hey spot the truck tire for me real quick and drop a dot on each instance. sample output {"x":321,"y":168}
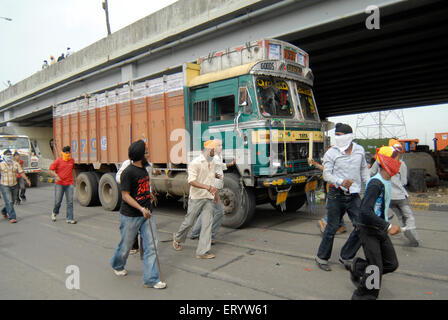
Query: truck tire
{"x":292,"y":204}
{"x":87,"y":189}
{"x":238,"y":208}
{"x":33,"y":179}
{"x":109,"y":192}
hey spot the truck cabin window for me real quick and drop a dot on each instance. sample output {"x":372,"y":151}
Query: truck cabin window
{"x":14,"y":143}
{"x":274,"y":97}
{"x":200,"y":111}
{"x":307,"y":103}
{"x":224,"y":108}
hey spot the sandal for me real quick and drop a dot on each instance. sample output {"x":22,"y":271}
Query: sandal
{"x":176,"y":244}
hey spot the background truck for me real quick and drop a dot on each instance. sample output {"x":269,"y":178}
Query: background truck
{"x":27,"y":151}
{"x":257,"y":98}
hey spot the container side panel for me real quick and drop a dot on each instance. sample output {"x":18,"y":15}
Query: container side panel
{"x":176,"y":127}
{"x":157,"y":139}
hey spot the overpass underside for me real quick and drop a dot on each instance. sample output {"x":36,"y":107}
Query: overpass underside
{"x":403,"y":64}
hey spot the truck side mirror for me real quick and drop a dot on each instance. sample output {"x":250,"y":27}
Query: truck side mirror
{"x":244,"y":100}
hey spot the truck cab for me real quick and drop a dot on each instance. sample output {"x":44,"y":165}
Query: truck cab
{"x":26,"y":150}
{"x":258,"y":100}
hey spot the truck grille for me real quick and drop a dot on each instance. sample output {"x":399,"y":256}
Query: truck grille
{"x":26,"y":160}
{"x":297,"y":151}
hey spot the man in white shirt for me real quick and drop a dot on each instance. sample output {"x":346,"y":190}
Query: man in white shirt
{"x":218,"y":210}
{"x":201,"y":178}
{"x":345,"y":169}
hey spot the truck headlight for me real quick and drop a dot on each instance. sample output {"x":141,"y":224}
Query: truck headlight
{"x":276,"y":164}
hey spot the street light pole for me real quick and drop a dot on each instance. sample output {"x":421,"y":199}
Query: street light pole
{"x":8,"y":19}
{"x":106,"y":9}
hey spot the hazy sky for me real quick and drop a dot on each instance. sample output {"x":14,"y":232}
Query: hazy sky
{"x":40,"y":28}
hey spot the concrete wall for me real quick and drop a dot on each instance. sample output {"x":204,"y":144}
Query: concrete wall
{"x":41,"y":135}
{"x":175,"y":20}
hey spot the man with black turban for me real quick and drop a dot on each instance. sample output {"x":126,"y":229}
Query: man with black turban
{"x":135,"y":216}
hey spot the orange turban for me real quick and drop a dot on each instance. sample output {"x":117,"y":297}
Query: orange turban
{"x":210,"y":144}
{"x":391,"y":165}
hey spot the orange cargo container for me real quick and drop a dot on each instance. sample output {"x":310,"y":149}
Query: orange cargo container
{"x":442,"y":140}
{"x":100,"y":128}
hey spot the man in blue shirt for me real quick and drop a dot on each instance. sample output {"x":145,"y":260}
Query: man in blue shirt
{"x":346,"y":171}
{"x":374,"y":228}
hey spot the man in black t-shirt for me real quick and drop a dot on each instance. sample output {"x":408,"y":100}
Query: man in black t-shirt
{"x":136,"y":215}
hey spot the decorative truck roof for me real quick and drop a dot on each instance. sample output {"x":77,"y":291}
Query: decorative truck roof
{"x":266,"y":49}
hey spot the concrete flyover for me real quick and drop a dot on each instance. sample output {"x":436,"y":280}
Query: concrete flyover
{"x":400,"y":65}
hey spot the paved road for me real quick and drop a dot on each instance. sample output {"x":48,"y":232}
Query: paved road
{"x":271,"y":259}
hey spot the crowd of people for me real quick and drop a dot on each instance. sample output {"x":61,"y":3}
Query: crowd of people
{"x":345,"y":170}
{"x":45,"y":64}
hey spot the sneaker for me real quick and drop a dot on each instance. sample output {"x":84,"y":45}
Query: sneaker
{"x":71,"y":221}
{"x":158,"y":285}
{"x":205,"y":256}
{"x":13,"y":221}
{"x":120,"y":273}
{"x":53,"y":217}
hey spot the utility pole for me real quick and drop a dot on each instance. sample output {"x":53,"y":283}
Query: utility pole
{"x":106,"y":9}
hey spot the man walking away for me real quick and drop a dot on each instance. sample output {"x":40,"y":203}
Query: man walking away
{"x":136,"y":215}
{"x":63,"y":169}
{"x":399,"y":201}
{"x":8,"y":184}
{"x":201,"y":177}
{"x":374,"y":228}
{"x":21,"y":181}
{"x":345,"y":169}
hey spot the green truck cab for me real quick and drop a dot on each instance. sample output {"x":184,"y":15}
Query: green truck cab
{"x":258,"y":100}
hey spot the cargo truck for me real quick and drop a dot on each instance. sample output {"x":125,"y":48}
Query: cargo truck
{"x":257,"y":98}
{"x":27,"y":153}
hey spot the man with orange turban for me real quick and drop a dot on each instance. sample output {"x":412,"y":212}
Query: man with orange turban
{"x":374,"y":228}
{"x":201,"y":178}
{"x":399,"y":200}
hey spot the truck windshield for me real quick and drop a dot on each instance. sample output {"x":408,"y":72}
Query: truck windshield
{"x":14,"y":143}
{"x":274,"y":97}
{"x":305,"y":95}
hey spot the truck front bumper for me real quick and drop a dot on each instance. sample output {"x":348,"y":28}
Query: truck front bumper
{"x":27,"y":171}
{"x":289,"y":179}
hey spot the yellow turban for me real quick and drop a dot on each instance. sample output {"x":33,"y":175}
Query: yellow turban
{"x":210,"y":144}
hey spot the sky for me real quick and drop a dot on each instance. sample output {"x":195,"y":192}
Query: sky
{"x":40,"y":28}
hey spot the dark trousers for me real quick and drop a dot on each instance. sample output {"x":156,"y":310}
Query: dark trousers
{"x":337,"y":204}
{"x":379,"y":251}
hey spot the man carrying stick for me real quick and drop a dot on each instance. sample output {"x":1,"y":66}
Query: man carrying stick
{"x":136,"y":215}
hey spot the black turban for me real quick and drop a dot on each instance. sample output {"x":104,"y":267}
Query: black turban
{"x":343,"y":128}
{"x":136,"y":151}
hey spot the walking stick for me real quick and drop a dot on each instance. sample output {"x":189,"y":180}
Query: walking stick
{"x":155,"y":248}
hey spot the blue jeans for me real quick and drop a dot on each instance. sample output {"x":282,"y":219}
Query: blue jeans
{"x":218,"y":212}
{"x":338,"y":204}
{"x":129,"y":227}
{"x":59,"y":191}
{"x":9,"y":194}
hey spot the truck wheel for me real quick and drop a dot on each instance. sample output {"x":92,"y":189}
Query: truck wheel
{"x":87,"y":189}
{"x":109,"y":192}
{"x":238,"y":208}
{"x":33,"y":179}
{"x":292,"y":204}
